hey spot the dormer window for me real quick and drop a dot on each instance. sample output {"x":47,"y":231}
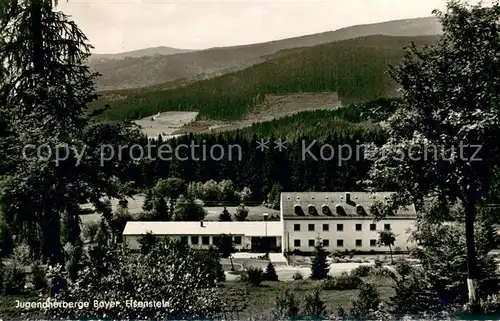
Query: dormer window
{"x":374,"y":210}
{"x":312,"y":210}
{"x":325,"y":210}
{"x":360,"y":210}
{"x":298,"y":210}
{"x":340,"y":210}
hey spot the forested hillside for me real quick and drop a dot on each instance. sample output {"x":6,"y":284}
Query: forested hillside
{"x":247,"y":166}
{"x":148,"y":70}
{"x":356,"y":69}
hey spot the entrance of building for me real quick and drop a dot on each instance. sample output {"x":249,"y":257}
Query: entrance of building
{"x":264,"y":244}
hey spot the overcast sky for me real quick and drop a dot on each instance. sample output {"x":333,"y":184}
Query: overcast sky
{"x":116,"y":26}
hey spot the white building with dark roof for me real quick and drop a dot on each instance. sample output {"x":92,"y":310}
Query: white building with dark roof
{"x":247,"y":235}
{"x":343,"y":221}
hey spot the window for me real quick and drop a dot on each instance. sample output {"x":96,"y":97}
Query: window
{"x":296,"y":227}
{"x":194,"y":240}
{"x":340,"y":227}
{"x":373,"y":227}
{"x":359,"y":243}
{"x":311,"y":243}
{"x":184,"y":239}
{"x":326,"y":227}
{"x":387,"y":227}
{"x":205,"y":240}
{"x":216,"y":240}
{"x":296,"y":243}
{"x":326,"y":243}
{"x":237,"y":240}
{"x":373,"y":243}
{"x":340,"y":243}
{"x":358,"y":227}
{"x":310,"y":227}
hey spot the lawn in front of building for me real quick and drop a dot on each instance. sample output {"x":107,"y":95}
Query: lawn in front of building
{"x":253,"y":301}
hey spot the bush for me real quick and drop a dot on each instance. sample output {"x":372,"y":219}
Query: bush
{"x":13,"y":280}
{"x":367,"y":301}
{"x":338,"y":254}
{"x":75,"y":254}
{"x":255,"y":276}
{"x":21,"y":255}
{"x":287,"y":305}
{"x":147,"y":216}
{"x":381,"y":272}
{"x":297,"y":276}
{"x":271,"y":273}
{"x":491,"y":304}
{"x":341,"y":313}
{"x":362,"y":271}
{"x":211,"y":265}
{"x":39,"y":277}
{"x":413,"y":293}
{"x":314,"y":306}
{"x":90,"y":230}
{"x":179,"y":275}
{"x":342,"y":282}
{"x":147,"y":241}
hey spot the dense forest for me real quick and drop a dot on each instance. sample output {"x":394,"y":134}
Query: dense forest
{"x":356,"y":69}
{"x":292,"y":168}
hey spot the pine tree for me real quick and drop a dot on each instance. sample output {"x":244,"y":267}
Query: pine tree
{"x":271,"y":272}
{"x":241,"y":213}
{"x":225,"y":216}
{"x":320,"y":266}
{"x":148,"y":201}
{"x":162,"y":212}
{"x":148,"y":241}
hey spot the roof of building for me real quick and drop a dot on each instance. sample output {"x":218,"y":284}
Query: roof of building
{"x":248,"y":228}
{"x":329,"y":201}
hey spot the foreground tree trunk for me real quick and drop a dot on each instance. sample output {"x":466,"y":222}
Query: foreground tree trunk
{"x":472,"y":270}
{"x":37,"y":36}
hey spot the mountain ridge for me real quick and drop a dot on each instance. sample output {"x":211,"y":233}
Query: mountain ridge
{"x":150,"y":51}
{"x":208,"y":63}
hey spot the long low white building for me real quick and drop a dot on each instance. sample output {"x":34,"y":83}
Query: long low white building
{"x":247,"y":235}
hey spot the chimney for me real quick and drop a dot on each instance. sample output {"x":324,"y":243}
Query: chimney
{"x":201,"y":223}
{"x":347,"y":197}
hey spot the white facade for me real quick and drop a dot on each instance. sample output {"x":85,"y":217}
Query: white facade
{"x":342,"y":221}
{"x":203,"y":235}
{"x":344,"y":234}
{"x":241,"y":242}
